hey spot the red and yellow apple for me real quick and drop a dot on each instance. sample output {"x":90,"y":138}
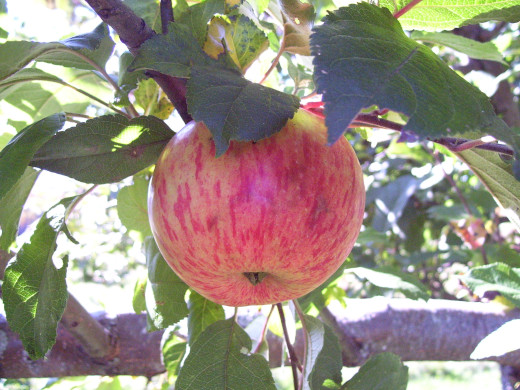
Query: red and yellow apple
{"x":266,"y":222}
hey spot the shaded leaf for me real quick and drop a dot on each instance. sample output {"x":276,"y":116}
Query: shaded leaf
{"x":149,"y":10}
{"x":381,"y":372}
{"x":363,"y":58}
{"x":498,"y":277}
{"x":173,"y":350}
{"x":105,"y":149}
{"x":154,"y":102}
{"x":298,"y":19}
{"x":132,"y":206}
{"x":499,"y":342}
{"x":202,"y":313}
{"x":34,"y":288}
{"x":11,"y":207}
{"x":454,"y":13}
{"x":164,"y":294}
{"x":220,"y":359}
{"x":237,"y":108}
{"x":389,"y":277}
{"x":324,"y":359}
{"x":16,"y":155}
{"x":197,"y":16}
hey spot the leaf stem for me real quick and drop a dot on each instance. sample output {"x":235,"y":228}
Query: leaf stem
{"x":264,"y":330}
{"x":292,"y":353}
{"x":276,"y":60}
{"x":406,"y":8}
{"x":305,"y":339}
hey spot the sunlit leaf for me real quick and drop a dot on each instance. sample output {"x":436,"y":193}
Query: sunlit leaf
{"x":499,"y":342}
{"x":202,"y":313}
{"x":132,"y":206}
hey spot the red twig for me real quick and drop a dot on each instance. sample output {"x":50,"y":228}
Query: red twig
{"x":406,"y":8}
{"x":295,"y":364}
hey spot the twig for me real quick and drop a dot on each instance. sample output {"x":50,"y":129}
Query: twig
{"x":264,"y":330}
{"x":166,"y":15}
{"x":292,"y":353}
{"x":406,"y":8}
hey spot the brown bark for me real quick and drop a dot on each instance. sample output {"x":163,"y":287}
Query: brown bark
{"x":415,"y":330}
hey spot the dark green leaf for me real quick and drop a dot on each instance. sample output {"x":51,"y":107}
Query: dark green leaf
{"x":171,"y":54}
{"x":389,"y":277}
{"x":237,"y":108}
{"x":173,"y":350}
{"x":324,"y":355}
{"x":497,"y":277}
{"x":132,"y":206}
{"x":16,"y":155}
{"x":34,"y":289}
{"x":220,"y":359}
{"x":363,"y":58}
{"x":149,"y":10}
{"x":165,"y":291}
{"x":197,"y":16}
{"x":105,"y":149}
{"x":453,"y":13}
{"x":381,"y":372}
{"x":11,"y":207}
{"x":202,"y":314}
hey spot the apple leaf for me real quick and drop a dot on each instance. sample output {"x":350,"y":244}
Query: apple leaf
{"x":127,"y":80}
{"x":164,"y":294}
{"x":11,"y":207}
{"x":138,"y":300}
{"x":202,"y":313}
{"x":220,"y":358}
{"x":197,"y":17}
{"x":497,"y":277}
{"x":173,"y":350}
{"x":470,"y":47}
{"x":149,"y":10}
{"x":105,"y":149}
{"x":95,"y":46}
{"x":154,"y":102}
{"x":499,"y":342}
{"x":497,"y":176}
{"x":389,"y":277}
{"x":132,"y":206}
{"x":363,"y":58}
{"x":16,"y":155}
{"x":381,"y":372}
{"x":453,"y":13}
{"x":34,"y":289}
{"x":237,"y":109}
{"x":298,"y":19}
{"x":323,"y":354}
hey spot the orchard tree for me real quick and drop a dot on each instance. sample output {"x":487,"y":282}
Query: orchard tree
{"x":239,"y":139}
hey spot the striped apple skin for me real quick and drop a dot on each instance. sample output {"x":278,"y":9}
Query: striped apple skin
{"x":288,"y":206}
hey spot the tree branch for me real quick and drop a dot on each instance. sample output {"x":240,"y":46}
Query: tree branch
{"x":133,"y":32}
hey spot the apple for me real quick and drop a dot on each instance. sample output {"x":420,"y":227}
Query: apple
{"x":267,"y":221}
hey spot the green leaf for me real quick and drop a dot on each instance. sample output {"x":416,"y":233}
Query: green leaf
{"x":16,"y":155}
{"x":197,"y":16}
{"x":95,"y":46}
{"x":127,"y":80}
{"x":173,"y":350}
{"x":105,"y":149}
{"x":363,"y":58}
{"x":497,"y":176}
{"x":499,"y":342}
{"x":149,"y":10}
{"x":165,"y":291}
{"x":11,"y":207}
{"x":454,"y":13}
{"x":153,"y":101}
{"x":324,"y":355}
{"x":497,"y":277}
{"x":470,"y":47}
{"x":172,"y":53}
{"x":381,"y":372}
{"x":389,"y":277}
{"x":220,"y":359}
{"x":138,"y":300}
{"x":132,"y":206}
{"x":298,"y":19}
{"x":34,"y":289}
{"x":202,"y":313}
{"x":237,"y":108}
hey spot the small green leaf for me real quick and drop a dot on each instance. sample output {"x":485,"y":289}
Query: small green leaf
{"x":165,"y":291}
{"x":497,"y":277}
{"x":454,"y":13}
{"x":197,"y":16}
{"x":499,"y":342}
{"x":173,"y":350}
{"x":363,"y":58}
{"x":127,"y":80}
{"x":150,"y":97}
{"x":16,"y":155}
{"x":474,"y":49}
{"x":298,"y":20}
{"x":324,"y":355}
{"x":220,"y":359}
{"x":34,"y":289}
{"x":132,"y":206}
{"x":202,"y":314}
{"x":381,"y":372}
{"x":138,"y":300}
{"x":237,"y":109}
{"x":389,"y":277}
{"x":105,"y":149}
{"x":11,"y":207}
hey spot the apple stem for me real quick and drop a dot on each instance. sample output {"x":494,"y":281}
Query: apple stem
{"x":295,"y":365}
{"x":255,"y":277}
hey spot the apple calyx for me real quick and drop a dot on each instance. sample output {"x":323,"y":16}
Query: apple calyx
{"x":255,"y":277}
